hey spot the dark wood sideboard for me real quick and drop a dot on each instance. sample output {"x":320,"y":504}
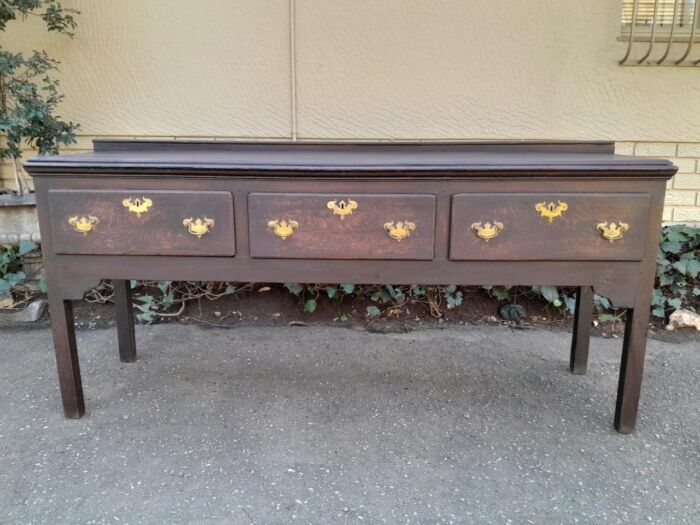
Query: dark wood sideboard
{"x":511,"y":213}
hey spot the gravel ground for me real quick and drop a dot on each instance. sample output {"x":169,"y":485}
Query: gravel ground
{"x":329,"y":425}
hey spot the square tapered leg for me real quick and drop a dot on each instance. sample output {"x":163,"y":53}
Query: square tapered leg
{"x":631,"y":369}
{"x":67,"y":357}
{"x":125,"y":320}
{"x":583,"y":316}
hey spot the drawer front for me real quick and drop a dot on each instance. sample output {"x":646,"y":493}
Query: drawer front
{"x":142,"y":222}
{"x":543,"y":226}
{"x":341,"y":226}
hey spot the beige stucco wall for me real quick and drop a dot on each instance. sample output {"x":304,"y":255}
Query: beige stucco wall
{"x":370,"y":69}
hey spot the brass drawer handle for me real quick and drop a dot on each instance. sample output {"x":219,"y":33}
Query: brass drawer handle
{"x":342,"y":208}
{"x":198,"y":226}
{"x":84,"y":224}
{"x":138,"y":206}
{"x":551,"y":210}
{"x":487,"y":230}
{"x":400,"y":230}
{"x":283,"y":229}
{"x":613,"y":231}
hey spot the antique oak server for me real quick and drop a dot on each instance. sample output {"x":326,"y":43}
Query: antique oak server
{"x":514,"y":213}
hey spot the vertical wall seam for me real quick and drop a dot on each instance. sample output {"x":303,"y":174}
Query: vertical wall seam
{"x":293,"y":65}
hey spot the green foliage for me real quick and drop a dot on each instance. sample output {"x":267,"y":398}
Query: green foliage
{"x":502,"y":293}
{"x":10,"y":268}
{"x":29,"y":97}
{"x":309,"y":294}
{"x":158,"y":299}
{"x":677,"y":269}
{"x":373,"y":311}
{"x":55,"y":16}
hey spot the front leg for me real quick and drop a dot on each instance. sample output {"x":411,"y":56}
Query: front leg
{"x":125,"y":320}
{"x":66,"y":357}
{"x":631,"y":367}
{"x":582,"y":330}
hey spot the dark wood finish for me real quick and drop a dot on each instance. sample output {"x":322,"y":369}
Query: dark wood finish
{"x":345,"y":160}
{"x":69,"y":381}
{"x":636,"y":325}
{"x":125,"y":320}
{"x":323,"y":235}
{"x":159,"y":231}
{"x":445,"y":185}
{"x":528,"y":236}
{"x":583,"y":317}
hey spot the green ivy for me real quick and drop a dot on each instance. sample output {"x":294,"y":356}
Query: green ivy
{"x":11,"y":273}
{"x":677,"y":269}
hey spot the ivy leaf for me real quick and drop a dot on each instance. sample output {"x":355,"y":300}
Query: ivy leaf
{"x":26,"y":247}
{"x":372,"y":311}
{"x":671,"y":247}
{"x":674,"y":303}
{"x":4,"y":286}
{"x":676,"y":236}
{"x":332,"y":292}
{"x":294,"y":288}
{"x":417,"y":291}
{"x":665,"y":279}
{"x":15,"y":278}
{"x":570,"y":303}
{"x":680,"y":266}
{"x":347,"y":288}
{"x":657,"y":298}
{"x":501,"y":293}
{"x":608,"y":318}
{"x":603,"y":302}
{"x":145,"y":317}
{"x":696,"y":291}
{"x":230,"y":289}
{"x":659,"y":312}
{"x":454,"y":300}
{"x":693,"y":268}
{"x":550,"y":293}
{"x":310,"y":306}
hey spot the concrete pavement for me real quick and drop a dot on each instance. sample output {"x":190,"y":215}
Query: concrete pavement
{"x":329,"y":425}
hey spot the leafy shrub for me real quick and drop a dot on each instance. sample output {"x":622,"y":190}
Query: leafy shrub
{"x":29,"y":97}
{"x":11,"y":274}
{"x":677,"y":269}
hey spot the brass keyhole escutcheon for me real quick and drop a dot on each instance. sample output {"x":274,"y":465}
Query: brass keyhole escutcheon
{"x":487,"y":230}
{"x":84,"y":224}
{"x":198,"y":226}
{"x":551,"y":211}
{"x":283,"y":228}
{"x":342,"y":208}
{"x":612,"y":231}
{"x":138,"y":205}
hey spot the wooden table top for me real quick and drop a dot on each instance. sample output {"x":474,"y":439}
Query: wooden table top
{"x":518,"y":158}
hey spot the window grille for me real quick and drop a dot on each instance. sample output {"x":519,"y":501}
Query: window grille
{"x":660,"y":32}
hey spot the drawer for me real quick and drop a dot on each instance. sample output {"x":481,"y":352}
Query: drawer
{"x":142,"y":222}
{"x":549,"y":226}
{"x":341,"y":226}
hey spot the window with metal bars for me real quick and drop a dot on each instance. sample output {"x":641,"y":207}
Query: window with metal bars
{"x":660,"y":24}
{"x":663,"y":14}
